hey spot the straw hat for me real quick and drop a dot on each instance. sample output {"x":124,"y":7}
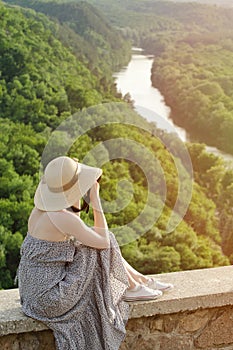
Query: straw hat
{"x":65,"y":181}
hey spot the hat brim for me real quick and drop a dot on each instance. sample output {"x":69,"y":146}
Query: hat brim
{"x":46,"y":200}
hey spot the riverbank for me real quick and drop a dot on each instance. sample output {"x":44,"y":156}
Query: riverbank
{"x":199,"y":89}
{"x":135,"y":79}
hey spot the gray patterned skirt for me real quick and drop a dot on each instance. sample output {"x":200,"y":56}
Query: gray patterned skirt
{"x":76,"y":291}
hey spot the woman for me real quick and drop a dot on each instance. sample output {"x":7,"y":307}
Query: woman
{"x":73,"y":277}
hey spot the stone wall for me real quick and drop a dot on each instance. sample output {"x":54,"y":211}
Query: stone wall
{"x":197,"y":314}
{"x":201,"y":329}
{"x":42,"y":340}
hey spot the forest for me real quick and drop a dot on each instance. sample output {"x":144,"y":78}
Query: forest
{"x":45,"y":81}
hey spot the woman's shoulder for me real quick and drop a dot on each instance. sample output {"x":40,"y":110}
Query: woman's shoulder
{"x":51,"y":225}
{"x":63,"y":219}
{"x":53,"y":217}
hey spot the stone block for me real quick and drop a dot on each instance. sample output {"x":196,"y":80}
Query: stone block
{"x":138,"y":325}
{"x":175,"y":342}
{"x":155,"y":324}
{"x":193,"y":321}
{"x":146,"y":343}
{"x":219,"y":331}
{"x":170,"y":322}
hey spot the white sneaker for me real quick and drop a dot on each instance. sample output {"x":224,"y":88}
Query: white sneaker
{"x":141,"y":292}
{"x":158,"y":285}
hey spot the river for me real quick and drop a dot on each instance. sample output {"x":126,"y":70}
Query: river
{"x":135,"y":79}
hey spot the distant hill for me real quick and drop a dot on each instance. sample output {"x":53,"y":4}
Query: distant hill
{"x":101,"y":44}
{"x":225,"y":3}
{"x":41,"y":81}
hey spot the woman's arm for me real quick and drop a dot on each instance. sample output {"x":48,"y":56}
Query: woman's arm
{"x":100,"y":223}
{"x":69,"y":223}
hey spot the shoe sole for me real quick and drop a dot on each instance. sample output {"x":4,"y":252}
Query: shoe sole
{"x":166,"y":289}
{"x":141,"y":298}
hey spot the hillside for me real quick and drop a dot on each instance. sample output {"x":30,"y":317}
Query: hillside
{"x":103,"y":47}
{"x":41,"y":81}
{"x":225,"y":3}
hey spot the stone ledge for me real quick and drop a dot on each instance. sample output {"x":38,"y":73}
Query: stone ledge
{"x":196,"y":289}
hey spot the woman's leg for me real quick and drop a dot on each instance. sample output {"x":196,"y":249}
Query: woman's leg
{"x":132,"y":282}
{"x":150,"y":282}
{"x":134,"y":275}
{"x":137,"y":286}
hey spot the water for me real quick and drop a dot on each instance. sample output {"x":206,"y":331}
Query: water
{"x":135,"y":79}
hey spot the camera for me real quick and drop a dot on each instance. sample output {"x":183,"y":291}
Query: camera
{"x":86,"y":201}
